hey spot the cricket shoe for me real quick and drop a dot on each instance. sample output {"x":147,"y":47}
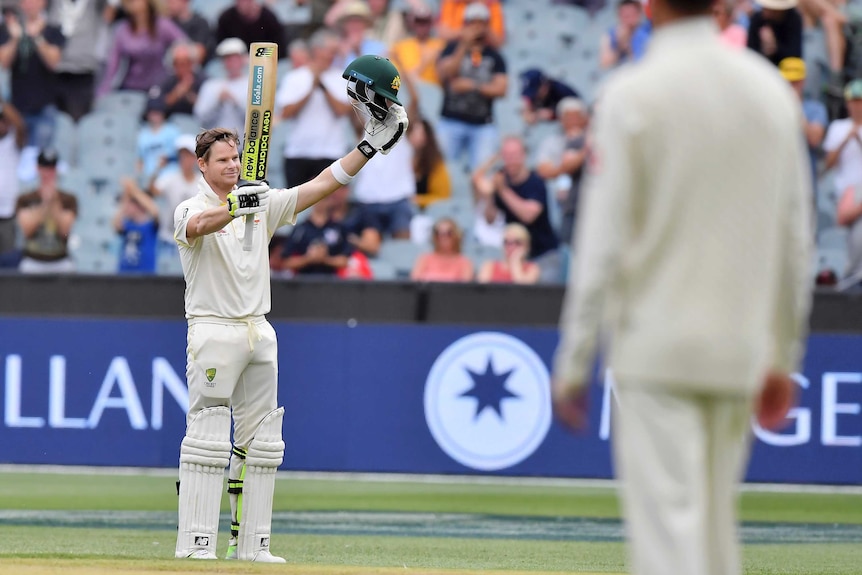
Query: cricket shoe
{"x":264,"y":556}
{"x":202,"y":554}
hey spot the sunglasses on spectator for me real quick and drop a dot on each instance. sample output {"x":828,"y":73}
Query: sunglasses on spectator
{"x":513,"y":242}
{"x":446,"y":232}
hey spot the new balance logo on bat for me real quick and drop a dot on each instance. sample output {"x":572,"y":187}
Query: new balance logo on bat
{"x":263,"y":52}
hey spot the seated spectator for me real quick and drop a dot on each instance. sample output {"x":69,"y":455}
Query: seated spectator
{"x":316,"y":246}
{"x":31,"y":49}
{"x":250,"y":21}
{"x":85,"y":27}
{"x":452,"y":20}
{"x":171,"y":189}
{"x":417,"y":53}
{"x":13,"y":138}
{"x":732,"y":34}
{"x":139,"y":46}
{"x":136,"y":221}
{"x":362,"y":230}
{"x":814,"y":112}
{"x":45,"y":218}
{"x":354,"y":24}
{"x":541,"y":94}
{"x":843,"y":141}
{"x":514,"y":267}
{"x":195,"y":27}
{"x":776,"y":30}
{"x":180,"y":91}
{"x":221,"y":101}
{"x":562,"y":157}
{"x":627,"y":40}
{"x":473,"y":74}
{"x":156,"y":143}
{"x":849,"y":215}
{"x":520,"y":194}
{"x":446,"y":263}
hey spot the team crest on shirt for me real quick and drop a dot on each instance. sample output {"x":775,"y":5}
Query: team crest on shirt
{"x":211,"y":373}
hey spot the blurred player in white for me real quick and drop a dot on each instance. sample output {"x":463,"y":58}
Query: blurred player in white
{"x":692,"y":264}
{"x":232,"y":352}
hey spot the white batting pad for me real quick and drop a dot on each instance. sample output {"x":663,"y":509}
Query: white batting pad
{"x":204,"y":454}
{"x":265,"y":454}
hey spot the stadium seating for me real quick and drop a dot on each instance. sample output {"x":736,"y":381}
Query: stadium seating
{"x":127,"y":102}
{"x":401,"y":254}
{"x":66,"y":138}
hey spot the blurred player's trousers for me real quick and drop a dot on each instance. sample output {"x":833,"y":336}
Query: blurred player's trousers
{"x":680,"y":457}
{"x":233,"y":363}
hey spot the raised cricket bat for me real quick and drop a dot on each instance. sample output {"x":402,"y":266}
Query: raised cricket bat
{"x":262,"y":76}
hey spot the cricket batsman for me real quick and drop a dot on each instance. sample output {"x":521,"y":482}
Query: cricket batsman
{"x":232,"y":362}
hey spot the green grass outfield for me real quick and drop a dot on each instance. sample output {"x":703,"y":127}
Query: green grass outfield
{"x":125,"y":523}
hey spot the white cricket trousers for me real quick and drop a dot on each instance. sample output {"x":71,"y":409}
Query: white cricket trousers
{"x":680,"y":457}
{"x":233,"y":363}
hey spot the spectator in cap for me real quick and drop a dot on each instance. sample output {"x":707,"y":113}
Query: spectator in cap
{"x":222,"y":101}
{"x":45,"y":217}
{"x":776,"y":30}
{"x":156,"y":152}
{"x":454,"y":14}
{"x":354,"y":24}
{"x":732,"y":34}
{"x":250,"y":21}
{"x":843,"y":142}
{"x":13,"y":138}
{"x":418,"y":52}
{"x":627,"y":40}
{"x":387,"y":22}
{"x":541,"y":94}
{"x":140,"y":42}
{"x":814,"y":111}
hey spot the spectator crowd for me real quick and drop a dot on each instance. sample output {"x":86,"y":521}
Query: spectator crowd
{"x":461,"y":200}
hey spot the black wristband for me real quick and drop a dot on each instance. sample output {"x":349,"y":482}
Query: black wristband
{"x":367,"y":149}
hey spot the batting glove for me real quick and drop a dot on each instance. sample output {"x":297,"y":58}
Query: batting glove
{"x":382,"y":136}
{"x":248,"y":198}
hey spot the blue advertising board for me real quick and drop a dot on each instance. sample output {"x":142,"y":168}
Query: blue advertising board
{"x":375,"y":398}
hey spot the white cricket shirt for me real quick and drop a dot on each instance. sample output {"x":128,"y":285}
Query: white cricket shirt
{"x":693,"y":240}
{"x":222,"y":280}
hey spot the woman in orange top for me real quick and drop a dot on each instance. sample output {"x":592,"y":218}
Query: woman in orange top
{"x":446,"y":263}
{"x":452,"y":20}
{"x":514,"y":268}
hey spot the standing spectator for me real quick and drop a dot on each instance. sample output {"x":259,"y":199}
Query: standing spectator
{"x":45,"y":217}
{"x":732,"y":34}
{"x":814,"y":111}
{"x":221,"y":101}
{"x":13,"y":137}
{"x":84,"y":24}
{"x":156,"y":143}
{"x":250,"y":21}
{"x":540,"y":95}
{"x":473,"y":74}
{"x":454,"y":17}
{"x":354,"y":24}
{"x":315,"y":99}
{"x":31,"y":49}
{"x":139,"y":45}
{"x":843,"y":142}
{"x":776,"y":30}
{"x":136,"y":221}
{"x":387,"y":23}
{"x":193,"y":25}
{"x":520,"y":194}
{"x":514,"y":267}
{"x":171,"y":189}
{"x":316,"y":246}
{"x":627,"y":41}
{"x":446,"y":263}
{"x":418,"y":52}
{"x":562,"y":157}
{"x":180,"y":91}
{"x":830,"y":15}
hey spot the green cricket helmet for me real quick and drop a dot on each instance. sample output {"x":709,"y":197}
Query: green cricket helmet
{"x":371,"y":81}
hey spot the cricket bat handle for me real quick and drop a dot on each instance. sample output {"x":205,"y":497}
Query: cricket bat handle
{"x":248,"y":237}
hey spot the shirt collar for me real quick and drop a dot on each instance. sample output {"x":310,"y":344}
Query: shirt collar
{"x":683,"y":33}
{"x":207,"y":191}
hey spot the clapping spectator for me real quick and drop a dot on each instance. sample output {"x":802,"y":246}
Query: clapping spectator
{"x":139,"y":45}
{"x":732,"y":34}
{"x":814,"y":111}
{"x":31,"y":49}
{"x":387,"y":24}
{"x":540,"y":95}
{"x":180,"y":91}
{"x":627,"y":40}
{"x":520,"y":194}
{"x":314,"y":98}
{"x":354,"y":24}
{"x":136,"y":221}
{"x":250,"y":21}
{"x":454,"y":17}
{"x":486,"y":232}
{"x":843,"y":142}
{"x":195,"y":27}
{"x":318,"y":245}
{"x":418,"y":52}
{"x":514,"y":267}
{"x":156,"y":143}
{"x":221,"y":101}
{"x":776,"y":30}
{"x":45,"y":217}
{"x":13,"y":137}
{"x":445,"y":263}
{"x":473,"y":74}
{"x":298,"y":53}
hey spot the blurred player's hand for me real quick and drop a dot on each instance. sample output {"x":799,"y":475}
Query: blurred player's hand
{"x":777,"y":397}
{"x":571,"y":405}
